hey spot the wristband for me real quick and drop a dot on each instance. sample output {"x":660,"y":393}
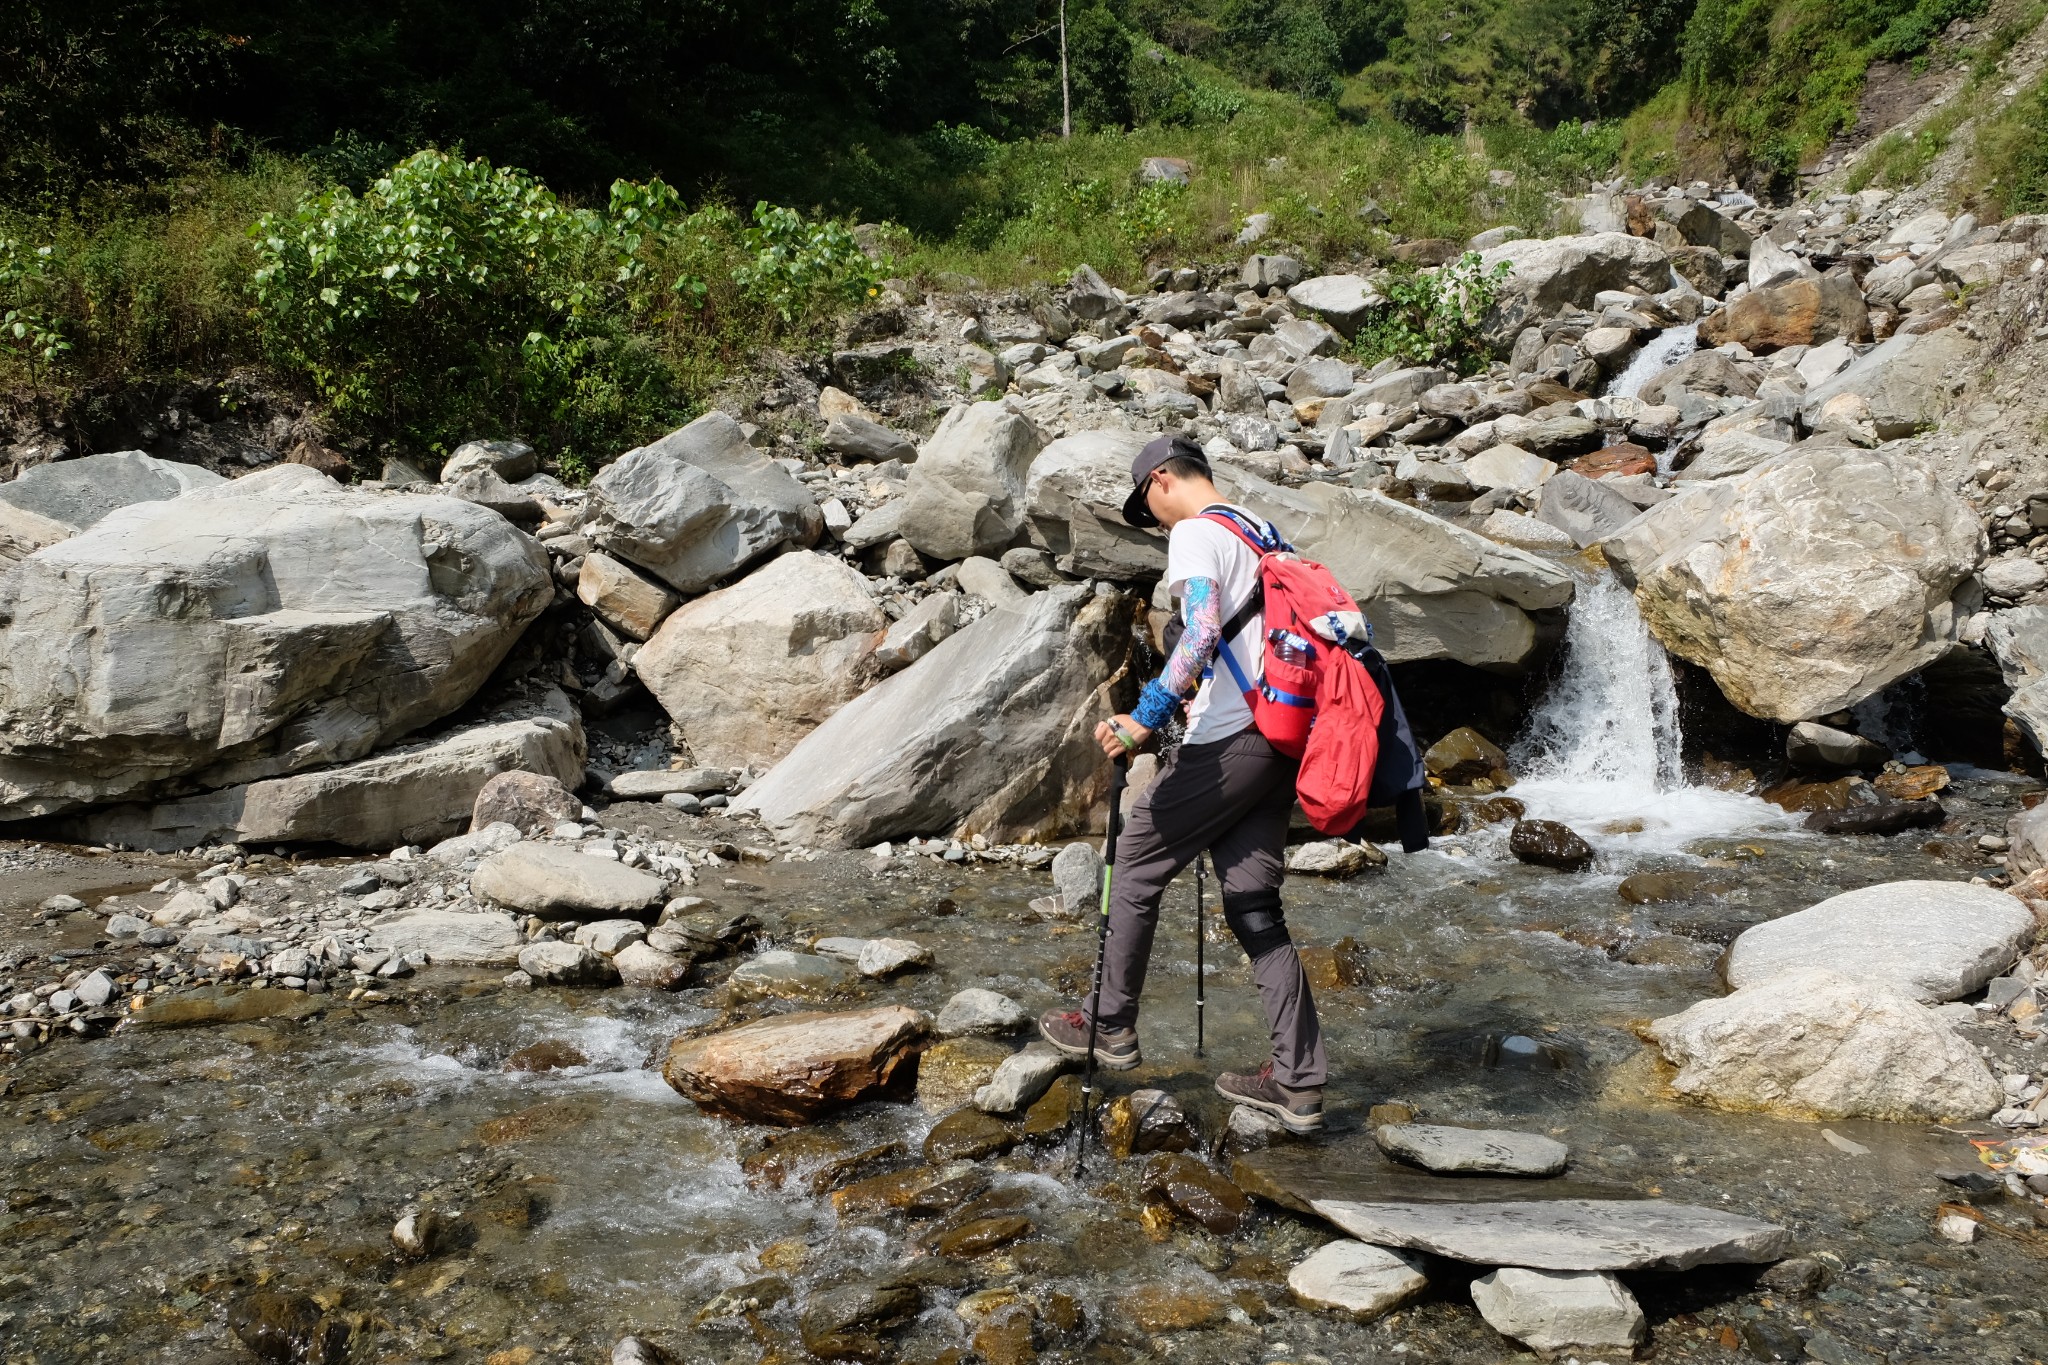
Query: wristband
{"x":1155,"y":705}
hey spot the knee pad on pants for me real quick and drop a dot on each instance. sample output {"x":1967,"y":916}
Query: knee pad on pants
{"x":1257,"y":920}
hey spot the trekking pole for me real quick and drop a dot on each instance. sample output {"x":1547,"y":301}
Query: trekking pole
{"x":1201,"y":1001}
{"x":1116,"y":801}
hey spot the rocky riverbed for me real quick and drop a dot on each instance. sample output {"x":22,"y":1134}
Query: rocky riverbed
{"x":227,"y":1139}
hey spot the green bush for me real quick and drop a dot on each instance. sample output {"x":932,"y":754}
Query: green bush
{"x":1434,"y":317}
{"x":29,"y":329}
{"x":453,"y":297}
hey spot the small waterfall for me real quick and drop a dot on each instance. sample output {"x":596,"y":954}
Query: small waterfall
{"x":1669,"y":346}
{"x":1611,"y":719}
{"x":1601,"y":753}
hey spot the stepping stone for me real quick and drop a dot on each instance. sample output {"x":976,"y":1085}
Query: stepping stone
{"x":1936,"y":941}
{"x":1294,"y":1176}
{"x":1566,"y":1234}
{"x":1495,"y":1151}
{"x":1552,"y":1312}
{"x":1354,"y":1278}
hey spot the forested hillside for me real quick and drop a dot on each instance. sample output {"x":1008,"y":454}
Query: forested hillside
{"x":192,"y":187}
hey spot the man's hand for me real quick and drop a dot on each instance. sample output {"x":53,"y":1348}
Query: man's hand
{"x":1106,"y":735}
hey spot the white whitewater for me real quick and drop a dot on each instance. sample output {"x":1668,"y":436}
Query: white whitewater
{"x":1601,"y":752}
{"x":1664,"y":350}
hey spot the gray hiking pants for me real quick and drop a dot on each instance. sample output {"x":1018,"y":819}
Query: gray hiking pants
{"x":1232,"y":798}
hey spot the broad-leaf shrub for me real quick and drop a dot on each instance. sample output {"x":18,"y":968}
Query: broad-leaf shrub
{"x":454,"y":299}
{"x":1434,"y":317}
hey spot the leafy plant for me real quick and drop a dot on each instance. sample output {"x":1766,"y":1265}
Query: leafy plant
{"x":28,"y":326}
{"x":1434,"y":318}
{"x":1146,"y":219}
{"x":800,"y":266}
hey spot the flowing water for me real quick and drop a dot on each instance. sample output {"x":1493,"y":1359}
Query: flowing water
{"x":154,"y":1177}
{"x":1664,"y":350}
{"x":1602,"y":751}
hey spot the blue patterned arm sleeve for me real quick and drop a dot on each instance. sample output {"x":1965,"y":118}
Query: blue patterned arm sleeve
{"x":1203,"y":613}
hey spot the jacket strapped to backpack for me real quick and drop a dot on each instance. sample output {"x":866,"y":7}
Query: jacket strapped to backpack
{"x":1316,"y":699}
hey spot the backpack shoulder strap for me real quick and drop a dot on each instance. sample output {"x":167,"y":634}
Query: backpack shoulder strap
{"x":1262,"y":540}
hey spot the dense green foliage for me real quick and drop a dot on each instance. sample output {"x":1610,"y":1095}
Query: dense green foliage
{"x":1772,"y":80}
{"x":1435,"y":318}
{"x":424,"y":297}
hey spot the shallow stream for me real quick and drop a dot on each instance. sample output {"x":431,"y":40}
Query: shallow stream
{"x":154,"y":1177}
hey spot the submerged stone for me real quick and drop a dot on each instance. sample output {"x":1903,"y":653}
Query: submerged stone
{"x":1549,"y":844}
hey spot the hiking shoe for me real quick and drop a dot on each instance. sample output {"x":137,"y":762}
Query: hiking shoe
{"x":1299,"y":1111}
{"x":1116,"y":1049}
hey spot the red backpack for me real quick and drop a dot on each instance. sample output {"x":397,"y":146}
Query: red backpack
{"x":1315,"y":700}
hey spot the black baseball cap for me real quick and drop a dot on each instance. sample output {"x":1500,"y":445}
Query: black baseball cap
{"x":1156,"y":453}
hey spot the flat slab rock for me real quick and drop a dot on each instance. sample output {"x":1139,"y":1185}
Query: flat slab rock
{"x":1566,"y":1234}
{"x":1439,"y":1147}
{"x":1936,"y":941}
{"x":1296,"y":1177}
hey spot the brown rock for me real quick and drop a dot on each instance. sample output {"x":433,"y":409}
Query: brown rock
{"x":1165,"y":1308}
{"x":1802,"y":312}
{"x":1197,"y":1192}
{"x":1667,"y":888}
{"x":1146,"y":1121}
{"x":950,"y":1072}
{"x":1427,"y":251}
{"x":1462,"y":814}
{"x":881,"y":1193}
{"x":1336,"y":967}
{"x":1463,"y":756}
{"x":1796,"y":796}
{"x":1004,"y":1336}
{"x":530,"y":802}
{"x":549,"y":1054}
{"x":1049,"y":1119}
{"x":1620,"y":460}
{"x":842,"y":1324}
{"x":1549,"y":844}
{"x":628,"y":603}
{"x":1392,"y":1113}
{"x":793,"y":1068}
{"x":982,"y":1235}
{"x":967,"y":1135}
{"x":1914,"y":784}
{"x":288,"y":1329}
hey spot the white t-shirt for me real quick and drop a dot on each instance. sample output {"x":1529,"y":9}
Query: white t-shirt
{"x":1201,"y":548}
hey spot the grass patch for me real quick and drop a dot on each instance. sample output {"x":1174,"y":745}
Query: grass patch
{"x":2008,"y":171}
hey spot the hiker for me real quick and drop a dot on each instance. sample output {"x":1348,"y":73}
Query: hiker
{"x":1226,"y":790}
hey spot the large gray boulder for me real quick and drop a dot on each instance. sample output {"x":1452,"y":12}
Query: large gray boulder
{"x":747,"y":671}
{"x":1344,"y":301}
{"x":54,"y":502}
{"x":1909,"y":381}
{"x":466,"y":938}
{"x":965,"y":495}
{"x":556,"y":882}
{"x":1553,"y":273}
{"x":414,"y":794}
{"x":699,"y":504}
{"x":1431,"y":590}
{"x":1936,"y":941}
{"x":1587,"y":510}
{"x":1813,"y":1044}
{"x":1074,"y":496}
{"x":990,"y":733}
{"x":247,"y":630}
{"x":1807,"y":584}
{"x":2018,"y":640}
